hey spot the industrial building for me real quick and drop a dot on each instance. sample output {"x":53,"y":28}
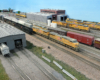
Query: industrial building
{"x":11,"y":36}
{"x":46,"y":14}
{"x":41,"y":17}
{"x":54,"y":11}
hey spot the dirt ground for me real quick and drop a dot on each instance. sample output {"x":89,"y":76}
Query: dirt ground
{"x":28,"y":68}
{"x":80,"y":66}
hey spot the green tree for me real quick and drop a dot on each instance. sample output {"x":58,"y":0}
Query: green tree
{"x":9,"y":9}
{"x":0,"y":10}
{"x":18,"y":12}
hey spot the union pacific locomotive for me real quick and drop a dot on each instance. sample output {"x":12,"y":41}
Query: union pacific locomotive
{"x":54,"y":34}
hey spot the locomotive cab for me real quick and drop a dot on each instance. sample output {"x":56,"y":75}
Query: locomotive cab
{"x":75,"y":44}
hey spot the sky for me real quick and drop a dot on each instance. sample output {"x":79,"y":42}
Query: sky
{"x":77,"y":9}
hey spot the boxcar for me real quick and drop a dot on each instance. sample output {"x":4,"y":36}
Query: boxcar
{"x":81,"y":38}
{"x":97,"y":43}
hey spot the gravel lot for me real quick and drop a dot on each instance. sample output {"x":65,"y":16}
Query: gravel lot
{"x":30,"y":69}
{"x":80,"y":66}
{"x":9,"y":69}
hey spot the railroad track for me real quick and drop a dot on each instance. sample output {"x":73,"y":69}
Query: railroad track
{"x":91,"y":33}
{"x":90,"y":49}
{"x":95,"y":32}
{"x":88,"y":62}
{"x":70,"y":53}
{"x":86,"y":53}
{"x":41,"y":68}
{"x":17,"y":69}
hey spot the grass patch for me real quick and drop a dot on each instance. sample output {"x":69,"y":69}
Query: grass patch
{"x":38,"y":52}
{"x":14,"y":53}
{"x":3,"y":75}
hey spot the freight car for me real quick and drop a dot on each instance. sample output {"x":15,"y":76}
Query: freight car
{"x":81,"y":38}
{"x":64,"y":40}
{"x":67,"y":41}
{"x":88,"y":40}
{"x":4,"y":49}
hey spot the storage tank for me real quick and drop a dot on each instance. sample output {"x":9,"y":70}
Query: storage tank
{"x":54,"y":25}
{"x":51,"y":25}
{"x":49,"y":22}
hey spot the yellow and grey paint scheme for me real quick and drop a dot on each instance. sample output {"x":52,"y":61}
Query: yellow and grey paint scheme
{"x":21,"y":15}
{"x":73,"y":24}
{"x":64,"y":40}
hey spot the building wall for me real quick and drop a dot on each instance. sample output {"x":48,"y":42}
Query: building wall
{"x":10,"y":40}
{"x":39,"y":18}
{"x":59,"y":17}
{"x":53,"y":11}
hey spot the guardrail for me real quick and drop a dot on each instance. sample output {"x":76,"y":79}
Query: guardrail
{"x":58,"y":65}
{"x":46,"y":59}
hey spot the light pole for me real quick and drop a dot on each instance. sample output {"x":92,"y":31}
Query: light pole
{"x":2,"y":18}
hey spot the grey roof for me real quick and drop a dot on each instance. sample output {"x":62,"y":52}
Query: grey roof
{"x":8,"y":30}
{"x":98,"y":39}
{"x":98,"y":24}
{"x":60,"y":21}
{"x":53,"y":33}
{"x":46,"y":30}
{"x":57,"y":29}
{"x":28,"y":25}
{"x":68,"y":38}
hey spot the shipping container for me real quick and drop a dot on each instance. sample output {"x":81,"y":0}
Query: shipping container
{"x":97,"y":43}
{"x":81,"y":38}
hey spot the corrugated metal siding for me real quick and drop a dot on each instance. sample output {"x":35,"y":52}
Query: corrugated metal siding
{"x":8,"y":30}
{"x":39,"y":17}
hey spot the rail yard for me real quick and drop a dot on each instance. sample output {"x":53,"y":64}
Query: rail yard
{"x":74,"y":42}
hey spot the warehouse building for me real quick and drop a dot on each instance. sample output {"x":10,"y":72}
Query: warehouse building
{"x":59,"y":14}
{"x":41,"y":17}
{"x":11,"y":36}
{"x":61,"y":17}
{"x":55,"y":11}
{"x":46,"y":14}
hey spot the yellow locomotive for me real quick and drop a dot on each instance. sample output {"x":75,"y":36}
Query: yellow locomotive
{"x":64,"y":40}
{"x":42,"y":27}
{"x":60,"y":23}
{"x":40,"y":31}
{"x":76,"y":24}
{"x":21,"y":15}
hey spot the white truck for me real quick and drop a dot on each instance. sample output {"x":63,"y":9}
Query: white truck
{"x":4,"y":49}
